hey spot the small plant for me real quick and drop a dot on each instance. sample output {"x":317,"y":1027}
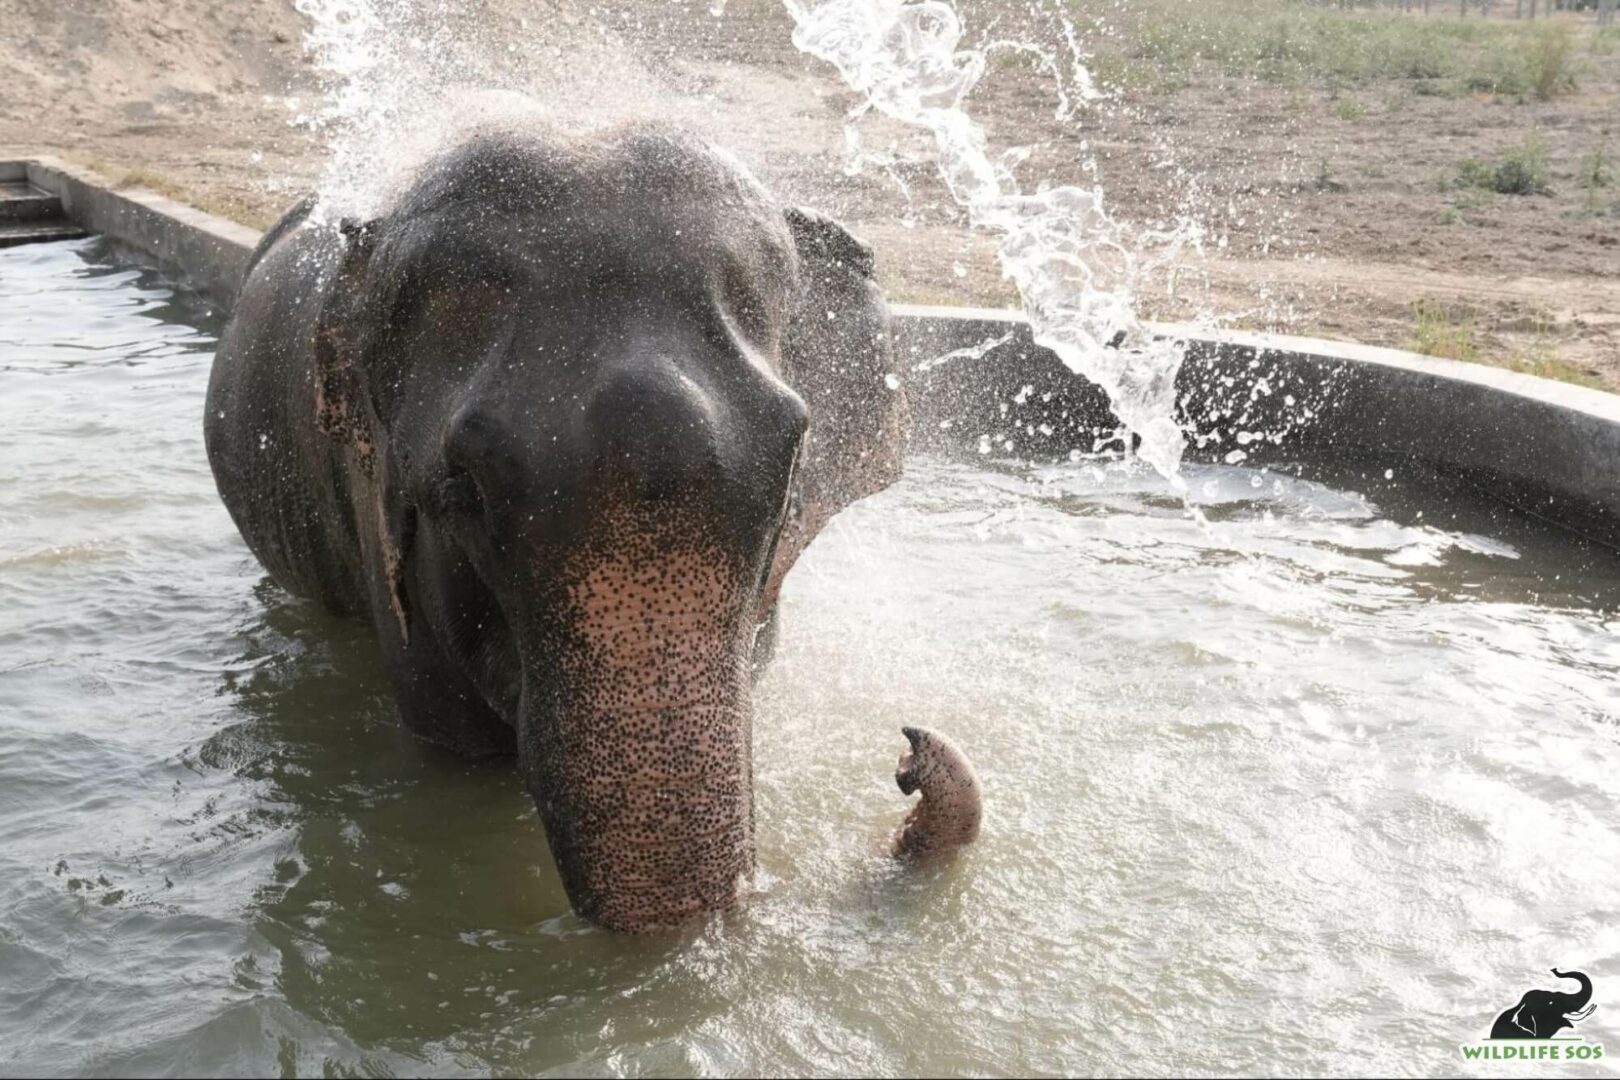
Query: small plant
{"x":1551,"y":61}
{"x":146,"y":178}
{"x":1522,"y":171}
{"x":1348,"y":108}
{"x":1325,"y":180}
{"x":1597,"y":171}
{"x":1465,"y":201}
{"x":1437,"y":333}
{"x":1540,"y":357}
{"x":1503,"y":72}
{"x":1549,"y":365}
{"x":1441,"y":88}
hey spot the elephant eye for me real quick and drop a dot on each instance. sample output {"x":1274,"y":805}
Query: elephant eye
{"x":458,"y":494}
{"x":744,"y":306}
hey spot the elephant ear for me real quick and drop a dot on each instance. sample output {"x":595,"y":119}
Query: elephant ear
{"x":819,"y":238}
{"x":838,"y":356}
{"x":342,"y":407}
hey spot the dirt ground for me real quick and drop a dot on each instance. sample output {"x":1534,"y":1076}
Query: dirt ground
{"x":1330,"y":208}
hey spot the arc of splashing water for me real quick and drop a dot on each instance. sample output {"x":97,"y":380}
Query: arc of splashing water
{"x":1075,"y":268}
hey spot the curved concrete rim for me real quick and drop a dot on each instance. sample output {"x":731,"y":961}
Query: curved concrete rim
{"x":1599,"y":404}
{"x":977,"y":380}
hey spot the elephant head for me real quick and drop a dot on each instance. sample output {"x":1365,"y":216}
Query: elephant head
{"x":578,"y":375}
{"x":1541,"y":1014}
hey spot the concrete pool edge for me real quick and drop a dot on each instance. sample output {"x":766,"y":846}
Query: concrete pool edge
{"x":210,"y":252}
{"x":1547,"y":448}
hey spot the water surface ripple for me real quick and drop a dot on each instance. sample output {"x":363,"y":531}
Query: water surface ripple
{"x":1318,"y":789}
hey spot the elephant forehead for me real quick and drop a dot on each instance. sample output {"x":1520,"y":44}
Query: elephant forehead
{"x":587,"y":249}
{"x":637,"y":191}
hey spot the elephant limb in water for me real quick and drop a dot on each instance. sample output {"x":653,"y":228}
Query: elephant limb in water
{"x":557,"y":424}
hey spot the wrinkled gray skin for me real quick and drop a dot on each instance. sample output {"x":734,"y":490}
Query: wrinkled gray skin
{"x":557,"y":425}
{"x":948,"y":815}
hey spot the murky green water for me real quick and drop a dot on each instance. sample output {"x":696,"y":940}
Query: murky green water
{"x":1322,"y":789}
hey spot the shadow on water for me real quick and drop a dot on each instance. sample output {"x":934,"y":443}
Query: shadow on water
{"x":417,"y":909}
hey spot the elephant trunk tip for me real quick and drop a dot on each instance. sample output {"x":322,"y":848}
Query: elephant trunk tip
{"x":948,"y":815}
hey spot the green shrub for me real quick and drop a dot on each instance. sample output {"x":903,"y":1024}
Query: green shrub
{"x":1501,"y":71}
{"x":1348,"y":108}
{"x":1597,"y":171}
{"x":1438,"y":332}
{"x":1551,"y":61}
{"x":1522,"y":171}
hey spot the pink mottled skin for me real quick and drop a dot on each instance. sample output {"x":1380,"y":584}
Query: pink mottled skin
{"x":948,"y":815}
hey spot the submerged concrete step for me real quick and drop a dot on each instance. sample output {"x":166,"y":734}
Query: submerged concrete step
{"x":13,"y":233}
{"x":22,"y":201}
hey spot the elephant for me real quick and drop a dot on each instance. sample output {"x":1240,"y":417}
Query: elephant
{"x":1541,"y":1014}
{"x":556,"y":423}
{"x":948,"y":815}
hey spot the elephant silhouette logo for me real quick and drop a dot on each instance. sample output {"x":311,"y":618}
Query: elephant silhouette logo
{"x":1541,"y":1014}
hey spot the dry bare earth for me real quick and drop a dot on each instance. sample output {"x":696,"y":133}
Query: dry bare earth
{"x":1334,"y":201}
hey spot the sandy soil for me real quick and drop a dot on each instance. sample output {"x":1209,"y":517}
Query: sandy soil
{"x":1318,"y":223}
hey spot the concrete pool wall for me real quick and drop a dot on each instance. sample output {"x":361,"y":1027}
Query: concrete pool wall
{"x":978,"y":382}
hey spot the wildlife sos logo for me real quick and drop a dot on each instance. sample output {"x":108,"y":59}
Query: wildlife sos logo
{"x":1539,"y":1026}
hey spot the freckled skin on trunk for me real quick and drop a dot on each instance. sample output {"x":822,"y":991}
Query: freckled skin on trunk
{"x":948,"y":815}
{"x":639,"y":756}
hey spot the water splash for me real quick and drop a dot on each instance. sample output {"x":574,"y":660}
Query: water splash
{"x":400,"y":77}
{"x":346,"y":39}
{"x":1076,"y":268}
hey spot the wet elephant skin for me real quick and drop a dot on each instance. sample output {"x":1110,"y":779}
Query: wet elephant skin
{"x":556,"y":424}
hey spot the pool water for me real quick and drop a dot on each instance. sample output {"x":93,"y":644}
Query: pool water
{"x":1319,"y":787}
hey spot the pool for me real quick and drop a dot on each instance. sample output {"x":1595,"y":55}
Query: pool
{"x":1318,"y":786}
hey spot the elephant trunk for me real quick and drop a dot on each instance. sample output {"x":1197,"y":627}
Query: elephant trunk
{"x":637,"y":740}
{"x":948,"y":815}
{"x":1574,"y":1002}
